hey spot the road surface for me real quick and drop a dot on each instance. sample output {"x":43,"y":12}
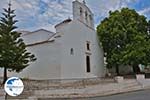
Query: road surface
{"x":140,"y":95}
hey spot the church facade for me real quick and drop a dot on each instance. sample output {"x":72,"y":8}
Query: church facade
{"x":72,"y":52}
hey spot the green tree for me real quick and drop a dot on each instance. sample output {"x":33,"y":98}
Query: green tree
{"x":124,"y":38}
{"x":13,"y":53}
{"x":148,"y":27}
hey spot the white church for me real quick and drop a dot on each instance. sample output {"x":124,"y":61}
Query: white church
{"x":72,"y":52}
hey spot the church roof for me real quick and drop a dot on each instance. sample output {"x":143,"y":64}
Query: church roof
{"x":39,"y":30}
{"x":64,"y":22}
{"x":39,"y":36}
{"x":50,"y":39}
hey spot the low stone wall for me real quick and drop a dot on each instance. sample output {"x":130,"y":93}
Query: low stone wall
{"x":60,"y":84}
{"x":78,"y":88}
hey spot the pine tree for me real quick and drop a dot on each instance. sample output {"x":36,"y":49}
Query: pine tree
{"x":13,"y":53}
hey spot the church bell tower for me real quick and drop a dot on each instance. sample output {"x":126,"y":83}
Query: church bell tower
{"x":82,"y":13}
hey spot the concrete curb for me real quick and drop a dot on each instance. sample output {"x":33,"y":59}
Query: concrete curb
{"x":99,"y":90}
{"x":107,"y":93}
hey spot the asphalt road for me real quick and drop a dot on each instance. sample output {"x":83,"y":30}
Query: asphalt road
{"x":139,"y":95}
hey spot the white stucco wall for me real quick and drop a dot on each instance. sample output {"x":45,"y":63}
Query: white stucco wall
{"x":75,"y":35}
{"x":47,"y":65}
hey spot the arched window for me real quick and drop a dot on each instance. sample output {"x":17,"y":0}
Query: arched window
{"x":90,"y":16}
{"x":71,"y":51}
{"x":88,"y":45}
{"x":86,"y":16}
{"x":81,"y":11}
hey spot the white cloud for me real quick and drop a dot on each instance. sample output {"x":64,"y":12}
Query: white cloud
{"x":54,"y":13}
{"x":144,"y":11}
{"x":30,"y":17}
{"x":101,"y":8}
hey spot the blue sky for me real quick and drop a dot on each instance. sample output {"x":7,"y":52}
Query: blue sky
{"x":36,"y":14}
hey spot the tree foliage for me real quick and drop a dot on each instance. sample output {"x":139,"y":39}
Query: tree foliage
{"x":124,"y":38}
{"x":13,"y":53}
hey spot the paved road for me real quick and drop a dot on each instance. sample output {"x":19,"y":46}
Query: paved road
{"x":140,"y":95}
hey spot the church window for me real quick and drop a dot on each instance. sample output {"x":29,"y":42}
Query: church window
{"x":88,"y":69}
{"x":86,"y":16}
{"x":71,"y":51}
{"x":90,"y":16}
{"x":81,"y":11}
{"x":88,"y":46}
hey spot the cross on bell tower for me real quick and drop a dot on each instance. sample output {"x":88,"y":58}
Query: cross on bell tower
{"x":84,"y":2}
